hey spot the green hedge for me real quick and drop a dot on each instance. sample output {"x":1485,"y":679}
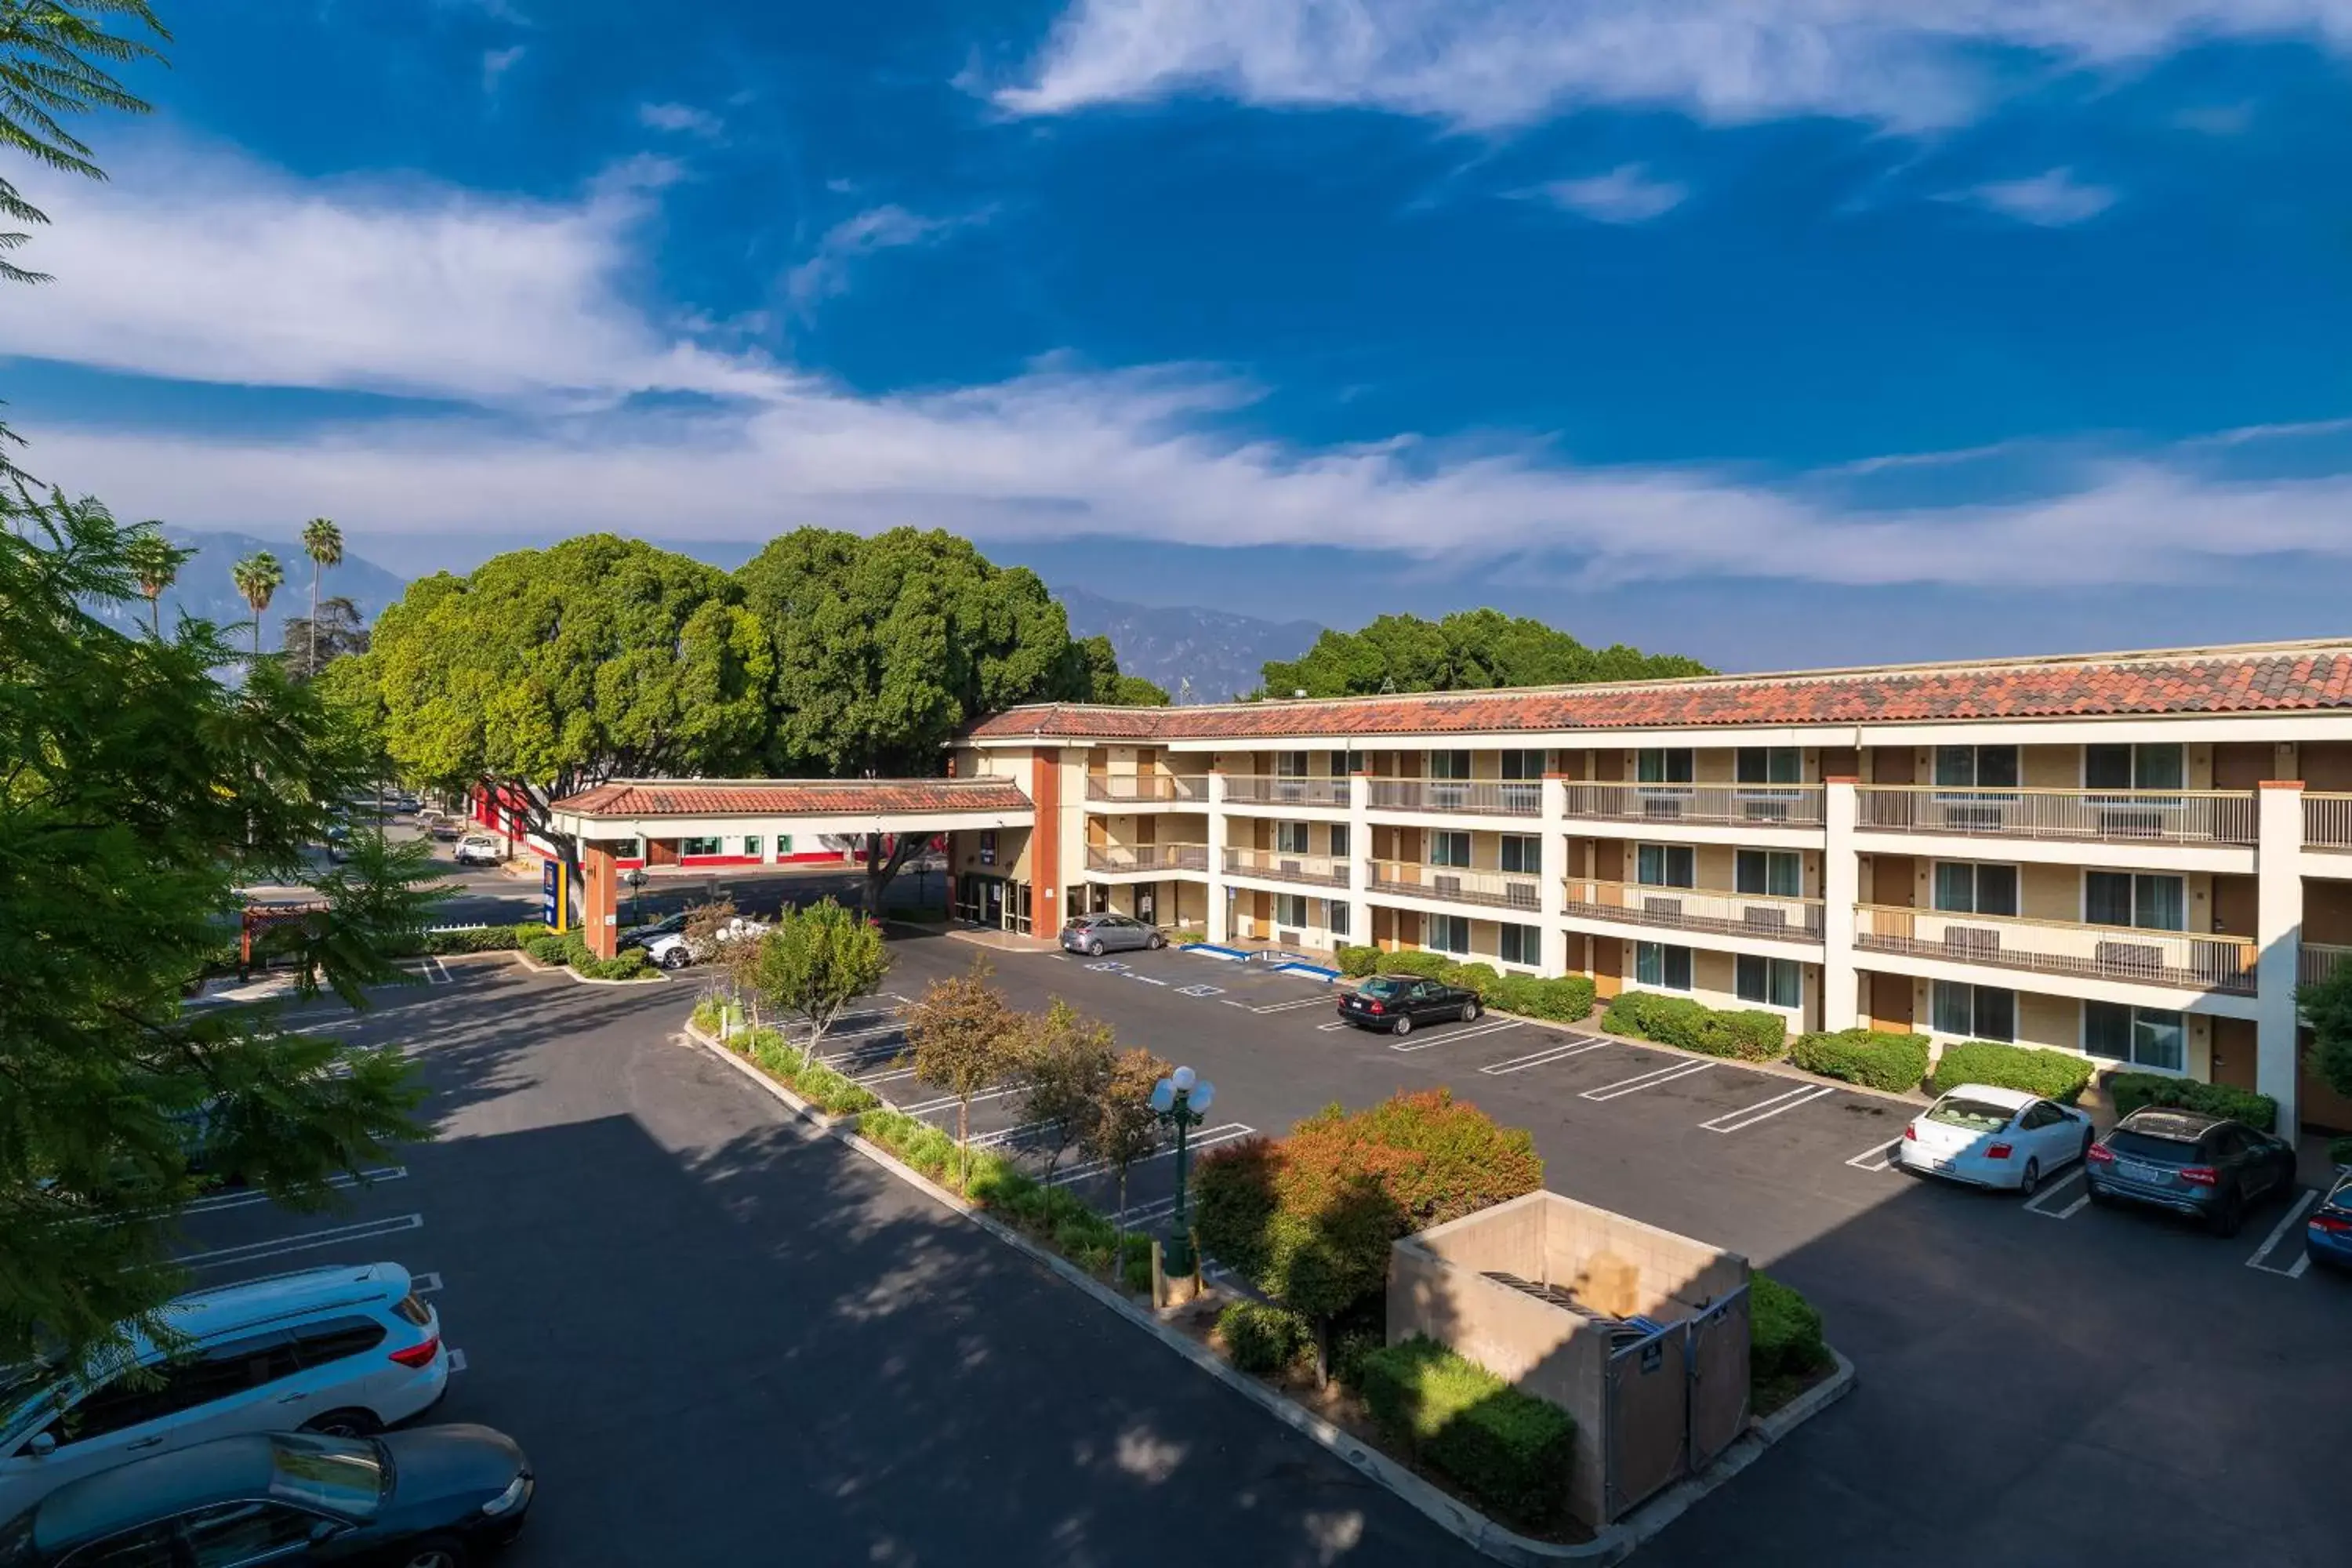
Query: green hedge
{"x":2131,"y":1090}
{"x":806,"y":1077}
{"x":1508,"y":1450}
{"x":1406,"y":961}
{"x":1474,"y":977}
{"x":2340,"y":1150}
{"x":1566,"y":998}
{"x":545,"y":947}
{"x":2052,"y":1074}
{"x":1264,"y":1339}
{"x":482,"y":939}
{"x":1784,"y":1332}
{"x":631,"y":965}
{"x":1751,"y":1034}
{"x":1872,"y":1057}
{"x":1359,"y":960}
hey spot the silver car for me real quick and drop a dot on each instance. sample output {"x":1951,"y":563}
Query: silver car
{"x":1096,"y":934}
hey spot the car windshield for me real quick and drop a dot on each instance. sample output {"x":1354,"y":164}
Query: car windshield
{"x":1383,"y":986}
{"x":342,"y":1475}
{"x":1974,"y":1115}
{"x":2149,"y":1150}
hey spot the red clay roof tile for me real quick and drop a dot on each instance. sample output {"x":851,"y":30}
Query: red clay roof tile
{"x":794,"y":798}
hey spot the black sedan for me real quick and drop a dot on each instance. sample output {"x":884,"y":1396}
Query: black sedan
{"x":1397,"y":1002}
{"x":2204,"y":1166}
{"x":431,"y":1497}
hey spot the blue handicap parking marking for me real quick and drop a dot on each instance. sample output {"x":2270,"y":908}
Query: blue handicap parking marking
{"x":1199,"y":990}
{"x":1109,"y":966}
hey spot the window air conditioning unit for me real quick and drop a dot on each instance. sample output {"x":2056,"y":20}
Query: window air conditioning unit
{"x":1658,"y":806}
{"x":1662,"y":908}
{"x":1447,"y":887}
{"x":1975,"y":816}
{"x":1760,"y":810}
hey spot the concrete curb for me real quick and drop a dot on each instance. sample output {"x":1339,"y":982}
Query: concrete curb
{"x":578,"y":979}
{"x":1773,"y":1069}
{"x":1612,"y":1544}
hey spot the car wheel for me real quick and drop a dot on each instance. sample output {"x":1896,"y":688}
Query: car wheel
{"x":2030,"y":1182}
{"x":1469,"y":1012}
{"x":343,"y":1424}
{"x":1094,"y":948}
{"x":1156,"y":941}
{"x":434,"y":1552}
{"x":2227,"y":1217}
{"x":675,"y":958}
{"x":1403,"y":1026}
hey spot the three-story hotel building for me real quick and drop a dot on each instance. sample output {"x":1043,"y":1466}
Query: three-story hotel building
{"x":2132,"y":857}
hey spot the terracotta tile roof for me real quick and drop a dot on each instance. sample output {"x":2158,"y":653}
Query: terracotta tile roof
{"x":793,"y":797}
{"x":2271,"y":678}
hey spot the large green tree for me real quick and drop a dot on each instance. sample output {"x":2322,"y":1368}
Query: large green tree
{"x":139,"y":789}
{"x":550,"y":672}
{"x":1468,"y":650}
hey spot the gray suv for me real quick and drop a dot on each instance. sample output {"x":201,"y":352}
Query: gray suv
{"x":2204,"y":1166}
{"x":1093,"y":934}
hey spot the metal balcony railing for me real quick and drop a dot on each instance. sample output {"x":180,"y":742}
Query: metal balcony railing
{"x":1474,"y":797}
{"x":1728,"y":806}
{"x":2327,"y":820}
{"x":1269,"y":789}
{"x":1279,"y":866}
{"x":1458,"y":884}
{"x":2317,"y":961}
{"x":1716,"y":909}
{"x":2171,"y":958}
{"x":1145,"y":788}
{"x":2159,"y":816}
{"x":1149,"y":858}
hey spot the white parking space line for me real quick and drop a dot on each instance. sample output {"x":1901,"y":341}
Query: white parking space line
{"x":424,"y":1284}
{"x":893,"y":1076}
{"x":1335,"y":1024}
{"x":1765,"y":1110}
{"x":1199,"y":990}
{"x":1007,"y":1134}
{"x":1231,"y":1003}
{"x":1143,"y":1213}
{"x":249,"y":1199}
{"x":1286,"y":1007}
{"x":1469,"y":1032}
{"x":1145,"y":978}
{"x":1225,"y":1133}
{"x":334,"y":1236}
{"x":2040,"y":1202}
{"x":2287,"y":1221}
{"x":1650,"y":1079}
{"x":457,"y":1360}
{"x":947,"y":1101}
{"x":1541,"y":1058}
{"x":1879,"y":1156}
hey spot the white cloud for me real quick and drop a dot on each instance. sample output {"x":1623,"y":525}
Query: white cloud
{"x":2054,"y":200}
{"x":1483,"y":64}
{"x":210,"y":271}
{"x":2217,"y":119}
{"x":683,"y":118}
{"x":886,"y":227}
{"x":1625,"y":195}
{"x":496,"y":63}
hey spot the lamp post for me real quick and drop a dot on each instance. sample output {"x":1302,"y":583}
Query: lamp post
{"x":1181,"y":1098}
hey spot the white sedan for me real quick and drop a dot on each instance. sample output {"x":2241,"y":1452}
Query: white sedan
{"x":1994,"y":1138}
{"x":674,"y":952}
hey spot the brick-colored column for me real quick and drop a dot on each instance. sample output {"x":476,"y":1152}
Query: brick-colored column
{"x":1046,"y":911}
{"x":599,"y":916}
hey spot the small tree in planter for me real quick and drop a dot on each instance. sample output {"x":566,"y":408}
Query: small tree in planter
{"x":1069,"y":1061}
{"x":965,"y":1038}
{"x":2327,"y":1005}
{"x":814,"y":964}
{"x":1123,"y":1128}
{"x":704,"y":921}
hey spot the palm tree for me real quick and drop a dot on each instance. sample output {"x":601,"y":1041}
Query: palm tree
{"x":257,"y":577}
{"x":322,"y":542}
{"x":156,"y":561}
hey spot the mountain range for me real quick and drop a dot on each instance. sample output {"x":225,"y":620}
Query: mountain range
{"x":1197,"y":654}
{"x":205,"y":591}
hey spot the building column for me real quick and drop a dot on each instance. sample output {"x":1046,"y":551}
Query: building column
{"x":1359,"y":850}
{"x":1218,"y":931}
{"x":2278,"y":937}
{"x":1551,"y":887}
{"x":599,"y":916}
{"x":1046,"y":911}
{"x":1841,"y":889}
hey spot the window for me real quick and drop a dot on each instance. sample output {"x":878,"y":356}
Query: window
{"x":148,"y":1546}
{"x":1779,"y":873}
{"x":1290,"y":764}
{"x":1663,"y":765}
{"x":1335,"y":918}
{"x":1773,"y":982}
{"x":784,"y":845}
{"x":235,"y":1532}
{"x":988,"y":846}
{"x":1661,"y":964}
{"x":1290,"y":837}
{"x":1290,"y":910}
{"x":698,"y":846}
{"x":1770,"y":765}
{"x":1973,"y":1012}
{"x":1446,"y":848}
{"x":1967,"y":887}
{"x":1664,"y":866}
{"x":1342,"y":764}
{"x":1527,"y":765}
{"x":629,"y":849}
{"x":2135,"y":899}
{"x":1338,"y":841}
{"x":318,"y":1344}
{"x":751,"y":846}
{"x":1521,"y":944}
{"x":1449,"y":933}
{"x":1523,"y":852}
{"x":2157,"y":765}
{"x":1976,"y":767}
{"x":2144,"y":1036}
{"x":1449,"y":764}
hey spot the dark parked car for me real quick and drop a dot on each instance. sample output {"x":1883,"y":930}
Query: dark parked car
{"x":2202,"y":1166}
{"x":638,"y":936}
{"x":1095,"y":934}
{"x":2327,"y":1235}
{"x":430,"y":1497}
{"x":1397,"y":1002}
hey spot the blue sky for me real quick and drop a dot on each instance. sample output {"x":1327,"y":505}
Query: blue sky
{"x":1777,"y":332}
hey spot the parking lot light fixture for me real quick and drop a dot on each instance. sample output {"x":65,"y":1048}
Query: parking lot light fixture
{"x":1181,"y":1098}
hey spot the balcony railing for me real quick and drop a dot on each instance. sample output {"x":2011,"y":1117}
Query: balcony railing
{"x":1474,"y":797}
{"x":2317,"y":961}
{"x":1697,"y":909}
{"x":1145,"y":788}
{"x":1280,"y":866}
{"x":2327,"y":820}
{"x":2062,"y":947}
{"x":1458,"y":884}
{"x":2155,"y":816}
{"x":1732,"y":805}
{"x":1268,"y":789}
{"x":1149,"y":858}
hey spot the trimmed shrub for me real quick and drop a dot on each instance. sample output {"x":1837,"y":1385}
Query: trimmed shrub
{"x":1359,"y":962}
{"x":913,"y":1140}
{"x":2131,"y":1090}
{"x":1784,"y":1332}
{"x":1565,"y":998}
{"x":1188,"y":936}
{"x":1480,"y":977}
{"x":1751,"y":1034}
{"x":481,"y":939}
{"x":1137,"y":1274}
{"x":814,"y":1081}
{"x":1872,"y":1057}
{"x":1508,"y":1450}
{"x":2052,"y":1074}
{"x":1426,"y":965}
{"x":1263,"y":1339}
{"x":546,"y":949}
{"x":631,"y":965}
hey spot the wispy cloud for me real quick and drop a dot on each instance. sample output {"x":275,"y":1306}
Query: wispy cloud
{"x":888,"y":228}
{"x":2216,"y":119}
{"x":682,"y":117}
{"x":1625,"y":195}
{"x":2054,"y":200}
{"x":1488,"y":64}
{"x":496,"y":63}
